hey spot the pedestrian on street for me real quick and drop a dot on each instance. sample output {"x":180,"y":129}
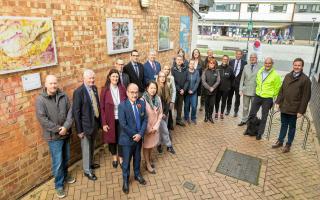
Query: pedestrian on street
{"x":292,"y":100}
{"x":267,"y":89}
{"x":54,"y":113}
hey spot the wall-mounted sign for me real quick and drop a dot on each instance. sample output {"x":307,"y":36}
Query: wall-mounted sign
{"x":31,"y":81}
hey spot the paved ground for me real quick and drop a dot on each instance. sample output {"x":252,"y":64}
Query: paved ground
{"x":294,"y":175}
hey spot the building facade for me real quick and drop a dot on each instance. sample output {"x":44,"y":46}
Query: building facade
{"x":290,"y":19}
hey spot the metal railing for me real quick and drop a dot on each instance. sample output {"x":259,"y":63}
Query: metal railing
{"x":304,"y":117}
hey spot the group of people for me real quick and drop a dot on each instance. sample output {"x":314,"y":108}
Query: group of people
{"x":136,"y":107}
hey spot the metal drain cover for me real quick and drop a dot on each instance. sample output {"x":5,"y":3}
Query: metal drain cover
{"x":240,"y":166}
{"x":189,"y":185}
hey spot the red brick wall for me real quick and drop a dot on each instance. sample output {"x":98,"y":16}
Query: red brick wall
{"x":80,"y":35}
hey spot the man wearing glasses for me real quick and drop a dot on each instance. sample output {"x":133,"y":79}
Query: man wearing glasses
{"x":124,"y":78}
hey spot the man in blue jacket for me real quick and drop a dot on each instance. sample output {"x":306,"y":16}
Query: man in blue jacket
{"x":151,"y":68}
{"x":133,"y":122}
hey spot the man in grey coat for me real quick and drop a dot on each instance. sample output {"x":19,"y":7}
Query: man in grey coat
{"x":54,"y":113}
{"x":247,"y":87}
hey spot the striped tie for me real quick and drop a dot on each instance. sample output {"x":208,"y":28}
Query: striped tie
{"x":94,"y":103}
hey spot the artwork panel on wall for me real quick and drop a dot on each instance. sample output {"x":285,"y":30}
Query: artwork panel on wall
{"x":163,"y":33}
{"x":119,"y":35}
{"x":184,"y":33}
{"x":26,"y":43}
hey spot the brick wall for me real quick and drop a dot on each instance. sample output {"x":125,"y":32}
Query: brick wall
{"x":315,"y":105}
{"x":80,"y":35}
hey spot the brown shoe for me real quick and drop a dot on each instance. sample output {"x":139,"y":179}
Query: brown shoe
{"x":286,"y":149}
{"x":221,"y":116}
{"x":277,"y":145}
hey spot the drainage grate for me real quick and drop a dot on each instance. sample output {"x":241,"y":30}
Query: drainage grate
{"x":240,"y":166}
{"x":189,"y":185}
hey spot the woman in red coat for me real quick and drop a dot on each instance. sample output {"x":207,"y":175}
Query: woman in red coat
{"x":111,"y":96}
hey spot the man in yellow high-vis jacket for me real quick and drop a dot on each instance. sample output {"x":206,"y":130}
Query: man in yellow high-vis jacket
{"x":267,"y":89}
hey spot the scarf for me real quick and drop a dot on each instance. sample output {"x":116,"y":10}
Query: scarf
{"x":153,"y":102}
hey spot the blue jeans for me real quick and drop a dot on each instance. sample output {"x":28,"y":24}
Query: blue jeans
{"x":287,"y":121}
{"x":60,"y":155}
{"x":190,"y":100}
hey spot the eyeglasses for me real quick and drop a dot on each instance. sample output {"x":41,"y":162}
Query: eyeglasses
{"x":133,"y":92}
{"x":135,"y":55}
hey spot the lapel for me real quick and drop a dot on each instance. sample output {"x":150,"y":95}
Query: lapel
{"x":86,"y":95}
{"x":108,"y":97}
{"x":134,"y":71}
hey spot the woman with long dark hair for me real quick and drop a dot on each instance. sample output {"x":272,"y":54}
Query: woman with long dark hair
{"x":200,"y":67}
{"x":111,"y":95}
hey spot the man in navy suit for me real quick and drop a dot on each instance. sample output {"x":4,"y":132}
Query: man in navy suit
{"x":134,"y":69}
{"x":237,"y":65}
{"x":151,"y":68}
{"x":133,"y":122}
{"x":86,"y":113}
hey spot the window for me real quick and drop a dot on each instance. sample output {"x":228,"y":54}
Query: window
{"x":234,"y":7}
{"x":278,"y":8}
{"x":302,"y":8}
{"x":220,"y":7}
{"x":315,"y":8}
{"x":254,"y":8}
{"x":227,"y":7}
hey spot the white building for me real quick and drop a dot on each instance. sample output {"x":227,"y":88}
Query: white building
{"x":296,"y":18}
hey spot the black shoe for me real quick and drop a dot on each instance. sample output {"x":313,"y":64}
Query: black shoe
{"x":140,"y":179}
{"x":246,"y":133}
{"x":125,"y":187}
{"x":211,"y":120}
{"x":235,"y":114}
{"x":258,"y":137}
{"x":180,"y":123}
{"x":241,"y":123}
{"x":91,"y":176}
{"x":171,"y":128}
{"x":227,"y":113}
{"x":205,"y":119}
{"x":115,"y":164}
{"x":95,"y":166}
{"x":171,"y":150}
{"x":159,"y":148}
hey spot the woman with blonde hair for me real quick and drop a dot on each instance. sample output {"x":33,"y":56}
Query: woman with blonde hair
{"x":172,"y":87}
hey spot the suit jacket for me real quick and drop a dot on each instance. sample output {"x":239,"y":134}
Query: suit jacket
{"x":129,"y":69}
{"x":236,"y":80}
{"x":83,"y":111}
{"x":125,"y":79}
{"x":248,"y":80}
{"x":149,"y":73}
{"x":127,"y":122}
{"x":107,"y":112}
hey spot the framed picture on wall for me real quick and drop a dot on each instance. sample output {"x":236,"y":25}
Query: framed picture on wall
{"x":163,"y":33}
{"x":119,"y":35}
{"x":26,"y":43}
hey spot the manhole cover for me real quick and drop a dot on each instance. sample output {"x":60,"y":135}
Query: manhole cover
{"x":189,"y":185}
{"x":240,"y":166}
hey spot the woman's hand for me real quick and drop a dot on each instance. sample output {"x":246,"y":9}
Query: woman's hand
{"x":106,"y":128}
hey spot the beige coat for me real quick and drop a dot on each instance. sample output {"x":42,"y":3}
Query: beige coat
{"x":248,"y":80}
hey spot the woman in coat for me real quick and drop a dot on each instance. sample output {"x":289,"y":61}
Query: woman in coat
{"x":111,"y":95}
{"x":200,"y":67}
{"x":154,"y":113}
{"x":171,"y":83}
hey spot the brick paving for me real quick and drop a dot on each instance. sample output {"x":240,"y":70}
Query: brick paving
{"x":294,"y":175}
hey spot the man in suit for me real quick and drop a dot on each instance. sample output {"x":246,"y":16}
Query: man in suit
{"x":247,"y":87}
{"x":86,"y":112}
{"x":124,"y":78}
{"x":151,"y":68}
{"x":135,"y":71}
{"x":237,"y":66}
{"x":133,"y":122}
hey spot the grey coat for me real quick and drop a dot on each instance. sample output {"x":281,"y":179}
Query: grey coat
{"x":248,"y":80}
{"x":53,"y":114}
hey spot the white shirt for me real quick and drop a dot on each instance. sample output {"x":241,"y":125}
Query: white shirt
{"x":116,"y":99}
{"x":237,"y":67}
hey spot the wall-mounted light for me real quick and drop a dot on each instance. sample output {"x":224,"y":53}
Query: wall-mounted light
{"x":144,"y":3}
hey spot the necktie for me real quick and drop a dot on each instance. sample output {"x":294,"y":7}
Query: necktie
{"x":94,"y":103}
{"x":252,"y":66}
{"x":137,"y":116}
{"x":154,"y":66}
{"x":136,"y":69}
{"x":236,"y":68}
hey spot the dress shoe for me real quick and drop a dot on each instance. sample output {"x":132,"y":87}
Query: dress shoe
{"x":140,"y":179}
{"x":258,"y":137}
{"x":227,"y":113}
{"x":91,"y":176}
{"x":241,"y":123}
{"x":216,"y":116}
{"x":159,"y":148}
{"x":115,"y":164}
{"x":235,"y":114}
{"x":221,"y":116}
{"x":125,"y":187}
{"x":277,"y":145}
{"x":153,"y":171}
{"x":95,"y":166}
{"x":180,"y":123}
{"x":211,"y":120}
{"x":171,"y":150}
{"x":286,"y":149}
{"x":205,"y":119}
